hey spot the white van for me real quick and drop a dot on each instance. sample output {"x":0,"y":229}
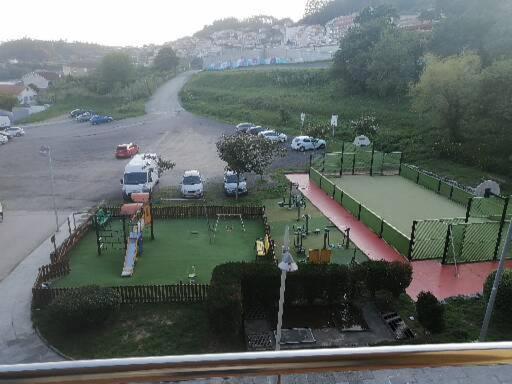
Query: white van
{"x":140,"y":175}
{"x":5,"y":122}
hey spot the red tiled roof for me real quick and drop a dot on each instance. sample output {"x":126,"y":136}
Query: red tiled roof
{"x":11,"y":89}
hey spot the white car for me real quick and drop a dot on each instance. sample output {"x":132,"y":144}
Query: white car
{"x":230,"y":184}
{"x":306,"y":143}
{"x":16,"y":131}
{"x":3,"y":139}
{"x":192,"y":185}
{"x":274,"y":136}
{"x":243,"y":127}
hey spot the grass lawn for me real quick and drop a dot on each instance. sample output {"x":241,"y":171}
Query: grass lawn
{"x":398,"y":200}
{"x":463,"y":320}
{"x":169,"y":258}
{"x":141,"y":330}
{"x":279,"y":218}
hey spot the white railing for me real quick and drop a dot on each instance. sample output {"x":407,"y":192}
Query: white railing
{"x":174,"y":368}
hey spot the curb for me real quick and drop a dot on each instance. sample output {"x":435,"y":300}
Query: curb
{"x":50,"y":346}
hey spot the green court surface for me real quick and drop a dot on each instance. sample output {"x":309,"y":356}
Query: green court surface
{"x":279,"y":218}
{"x":398,"y":200}
{"x":179,"y":244}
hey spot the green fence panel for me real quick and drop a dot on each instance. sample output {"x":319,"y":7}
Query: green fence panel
{"x":503,"y":239}
{"x":348,"y":160}
{"x":428,"y":182}
{"x":409,"y":173}
{"x":327,"y":186}
{"x":338,"y":195}
{"x":350,"y":204}
{"x":363,"y":162}
{"x":473,"y":242}
{"x":371,"y":220}
{"x":395,"y":238}
{"x":446,"y":189}
{"x":315,"y":176}
{"x":391,"y":163}
{"x":461,"y":196}
{"x":317,"y":161}
{"x":429,"y":240}
{"x":332,"y":163}
{"x":489,"y":208}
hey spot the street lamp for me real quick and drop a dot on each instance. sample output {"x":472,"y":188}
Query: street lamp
{"x":286,"y":265}
{"x":46,"y":151}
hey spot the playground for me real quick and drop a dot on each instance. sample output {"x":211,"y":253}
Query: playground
{"x":182,"y":250}
{"x":398,"y":200}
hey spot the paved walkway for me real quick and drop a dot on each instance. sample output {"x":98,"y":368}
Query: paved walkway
{"x":18,"y":341}
{"x":428,"y":275}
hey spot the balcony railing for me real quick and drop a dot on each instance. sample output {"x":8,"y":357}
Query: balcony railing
{"x":174,"y":368}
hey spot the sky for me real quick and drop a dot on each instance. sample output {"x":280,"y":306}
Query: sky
{"x":129,"y":22}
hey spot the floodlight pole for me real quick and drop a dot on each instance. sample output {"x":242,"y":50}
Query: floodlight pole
{"x":47,"y":151}
{"x":280,"y":312}
{"x":494,"y":291}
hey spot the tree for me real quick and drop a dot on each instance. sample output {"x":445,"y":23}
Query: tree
{"x":166,"y":59}
{"x":385,"y":14}
{"x":496,"y":91}
{"x":394,"y":62}
{"x":314,"y":6}
{"x":366,"y":125}
{"x":116,"y":69}
{"x":163,"y":165}
{"x":446,"y":91}
{"x":7,"y":102}
{"x":317,"y":129}
{"x":246,"y":153}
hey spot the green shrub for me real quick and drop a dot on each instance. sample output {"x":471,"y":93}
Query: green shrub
{"x":381,"y":275}
{"x":399,"y":277}
{"x":84,"y":307}
{"x":430,"y":312}
{"x":504,"y":294}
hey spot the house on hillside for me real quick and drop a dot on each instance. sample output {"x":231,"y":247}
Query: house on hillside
{"x":25,"y":94}
{"x":74,"y":71}
{"x":41,"y":79}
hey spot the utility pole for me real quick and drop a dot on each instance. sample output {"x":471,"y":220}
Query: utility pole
{"x":46,"y":151}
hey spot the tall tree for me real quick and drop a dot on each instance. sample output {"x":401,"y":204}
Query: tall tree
{"x":315,"y":6}
{"x":7,"y":102}
{"x":166,"y":59}
{"x":116,"y":69}
{"x":447,"y":92}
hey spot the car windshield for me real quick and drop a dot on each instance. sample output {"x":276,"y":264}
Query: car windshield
{"x":135,"y":178}
{"x":191,"y":180}
{"x":231,"y":179}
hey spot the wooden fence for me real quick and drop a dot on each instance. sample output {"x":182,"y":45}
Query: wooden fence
{"x":197,"y":211}
{"x":137,"y":294}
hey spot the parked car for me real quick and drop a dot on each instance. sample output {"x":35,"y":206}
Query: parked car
{"x":3,"y":139}
{"x":243,"y":127}
{"x":274,"y":136}
{"x":16,"y":131}
{"x":99,"y":119}
{"x":140,"y":175}
{"x":306,"y":143}
{"x":192,"y":185}
{"x":230,"y":184}
{"x":76,"y":112}
{"x":5,"y":122}
{"x":255,"y":130}
{"x":86,"y":116}
{"x":124,"y":151}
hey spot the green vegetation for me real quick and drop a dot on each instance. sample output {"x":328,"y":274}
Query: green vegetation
{"x":141,"y":330}
{"x":179,"y":244}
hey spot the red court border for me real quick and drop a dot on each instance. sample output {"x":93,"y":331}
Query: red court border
{"x":429,"y":275}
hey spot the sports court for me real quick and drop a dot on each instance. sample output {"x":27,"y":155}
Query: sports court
{"x":398,"y":200}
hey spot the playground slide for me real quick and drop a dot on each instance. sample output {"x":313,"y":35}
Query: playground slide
{"x":129,"y":259}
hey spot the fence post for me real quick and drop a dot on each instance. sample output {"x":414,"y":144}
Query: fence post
{"x":342,"y":156}
{"x":348,"y":238}
{"x":96,"y":229}
{"x":381,"y":227}
{"x":418,"y":177}
{"x":400,"y":166}
{"x":152,"y":221}
{"x":371,"y":161}
{"x":354,"y":164}
{"x":411,"y":242}
{"x":69,"y":226}
{"x":359,"y":213}
{"x":382,"y":164}
{"x":468,"y":210}
{"x":502,"y":227}
{"x":323,"y":164}
{"x":310,"y":163}
{"x":446,"y":243}
{"x":451,"y":192}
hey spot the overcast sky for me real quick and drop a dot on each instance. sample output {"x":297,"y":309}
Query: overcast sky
{"x":128,"y":22}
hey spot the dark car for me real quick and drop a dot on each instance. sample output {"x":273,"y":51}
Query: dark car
{"x":255,"y":130}
{"x":98,"y":119}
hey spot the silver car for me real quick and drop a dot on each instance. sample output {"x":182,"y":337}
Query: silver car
{"x":16,"y":131}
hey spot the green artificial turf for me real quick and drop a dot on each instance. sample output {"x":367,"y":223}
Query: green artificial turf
{"x":399,"y":201}
{"x":279,"y":218}
{"x":179,"y":244}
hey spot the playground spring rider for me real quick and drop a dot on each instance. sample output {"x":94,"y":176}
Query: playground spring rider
{"x":300,"y":234}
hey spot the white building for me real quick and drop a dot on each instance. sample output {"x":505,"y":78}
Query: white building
{"x":41,"y":79}
{"x":24,"y":94}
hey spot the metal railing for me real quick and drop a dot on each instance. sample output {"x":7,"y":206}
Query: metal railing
{"x":174,"y":368}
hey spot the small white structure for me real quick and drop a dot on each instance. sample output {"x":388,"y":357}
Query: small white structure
{"x":41,"y":79}
{"x":24,"y":94}
{"x":362,"y":141}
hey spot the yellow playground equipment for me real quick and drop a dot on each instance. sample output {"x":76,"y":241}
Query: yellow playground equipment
{"x":264,"y":246}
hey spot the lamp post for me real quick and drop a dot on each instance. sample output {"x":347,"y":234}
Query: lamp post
{"x":46,"y":151}
{"x":286,"y":265}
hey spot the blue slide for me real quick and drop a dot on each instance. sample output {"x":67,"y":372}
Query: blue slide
{"x":129,"y":259}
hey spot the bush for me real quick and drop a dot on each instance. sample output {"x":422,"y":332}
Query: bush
{"x":84,"y":307}
{"x":430,"y":312}
{"x":504,"y":295}
{"x":381,"y":275}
